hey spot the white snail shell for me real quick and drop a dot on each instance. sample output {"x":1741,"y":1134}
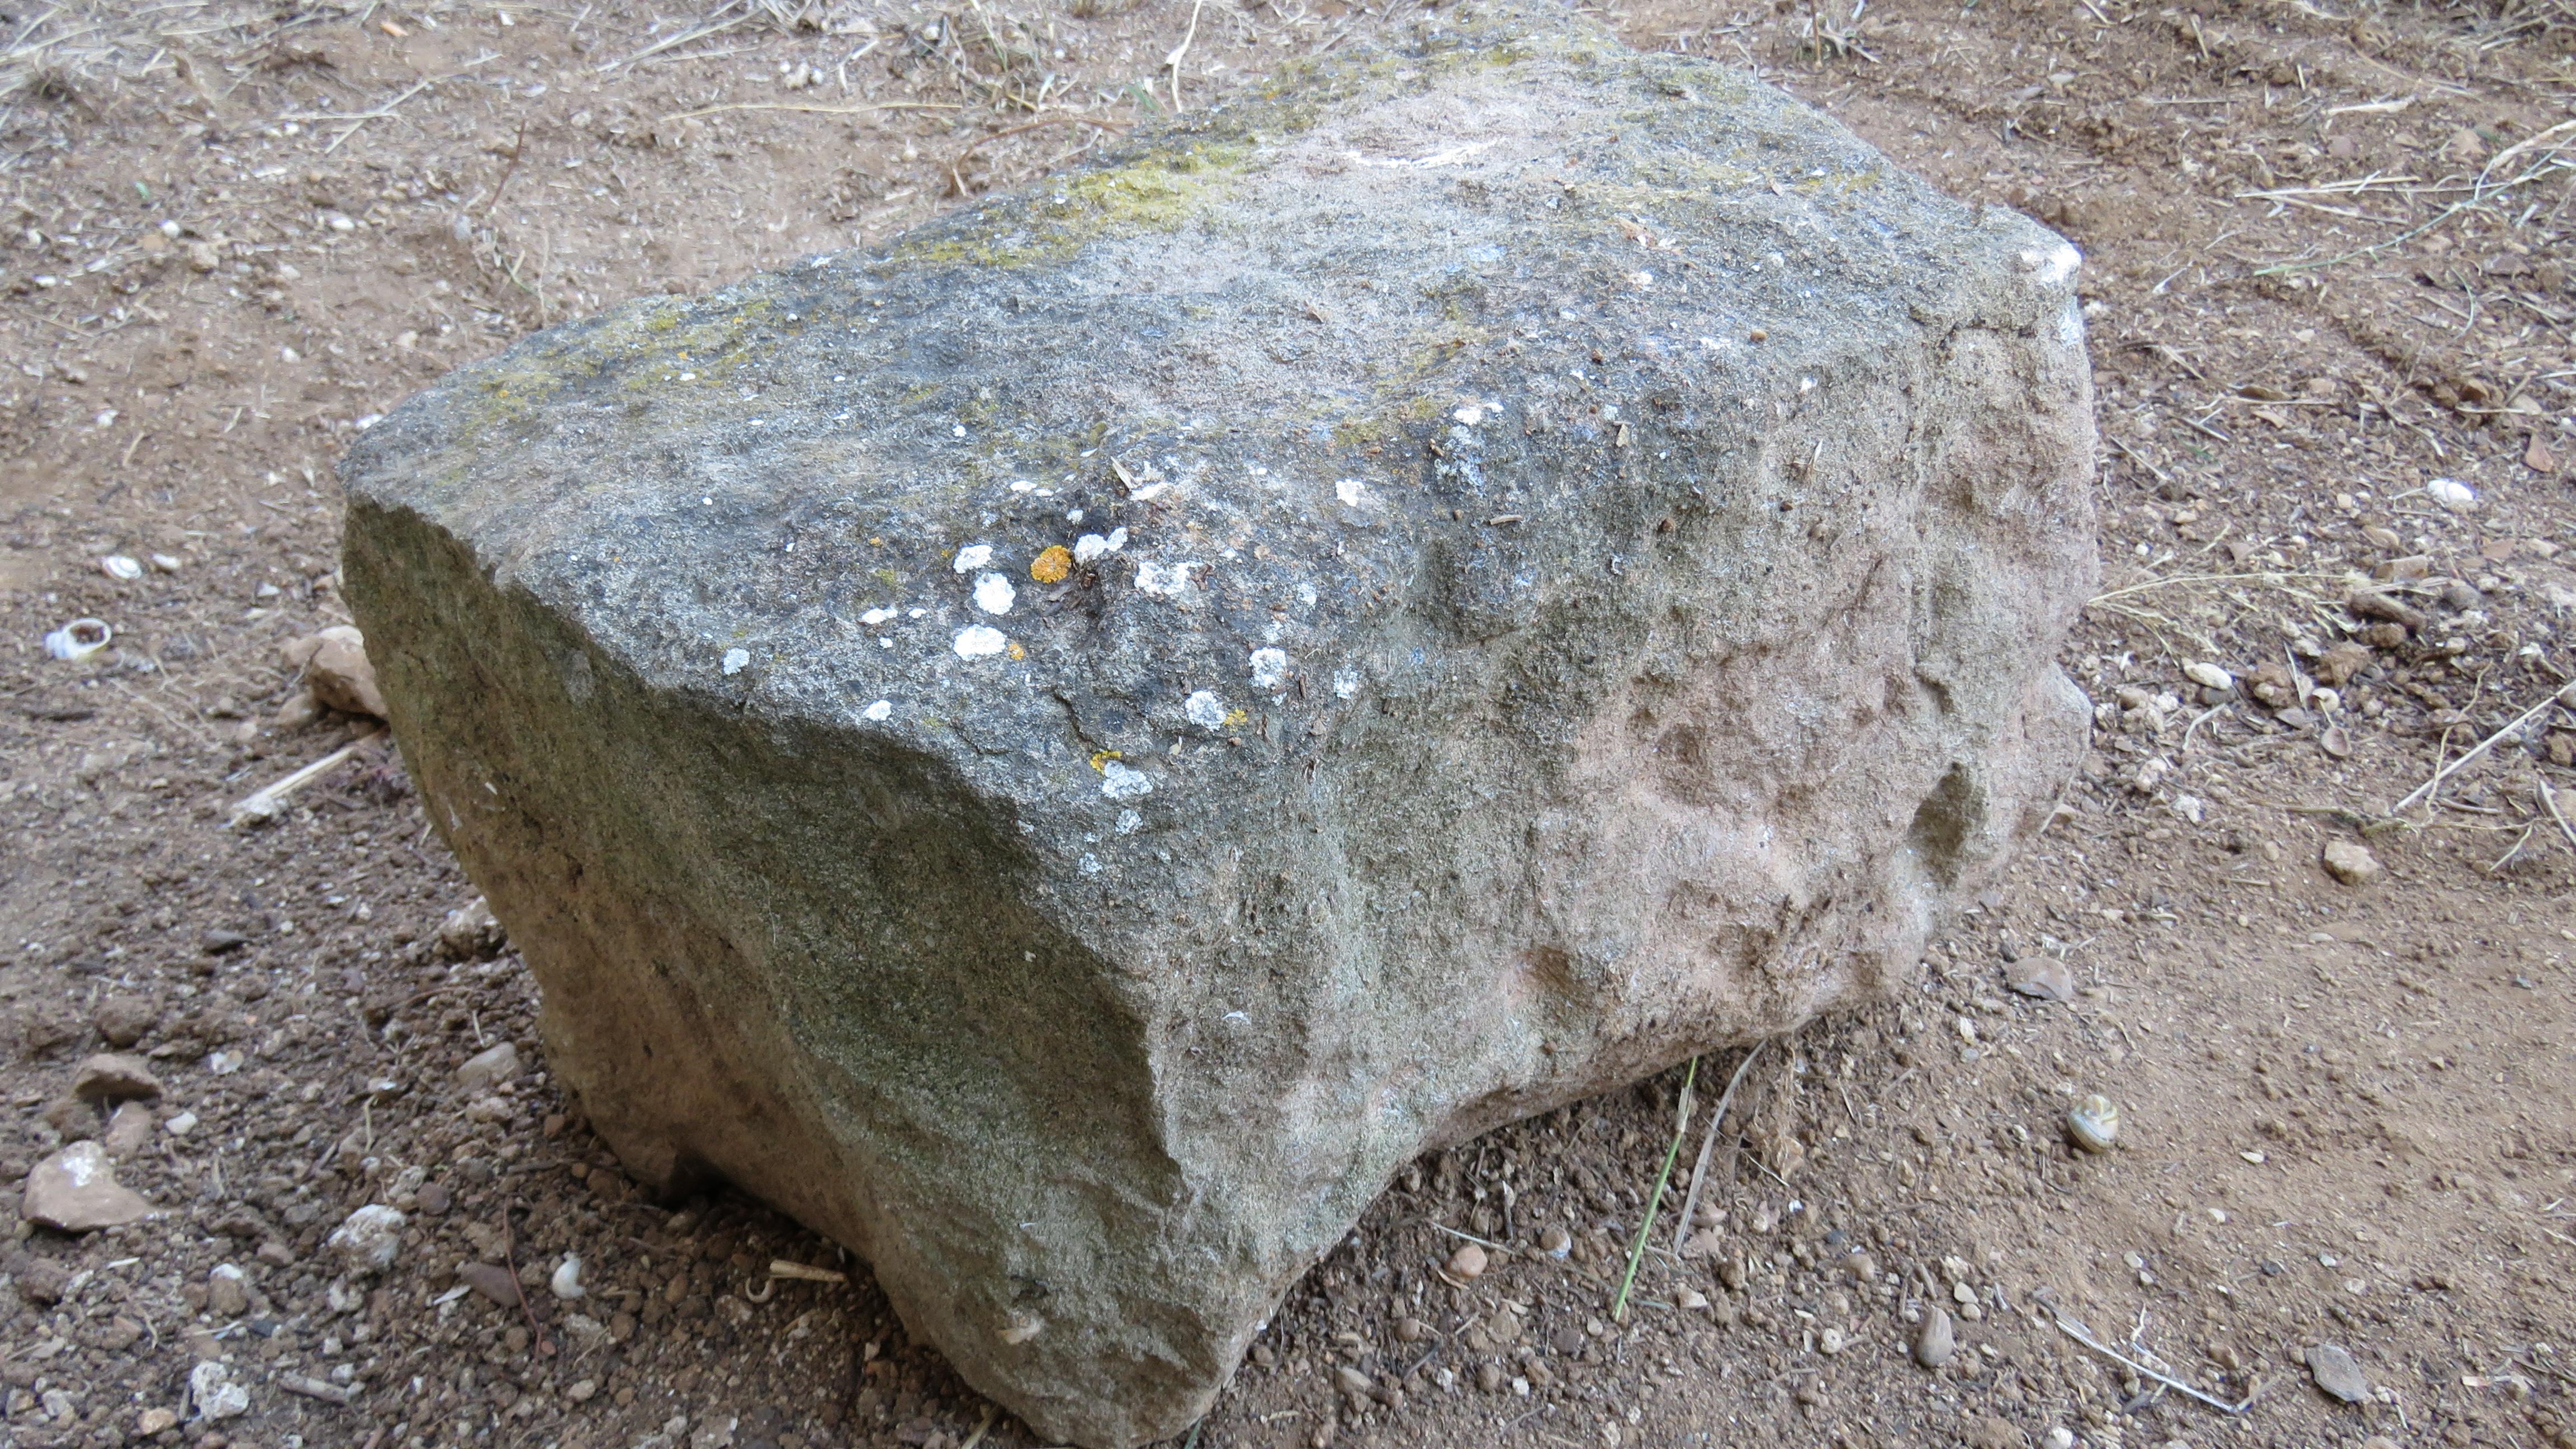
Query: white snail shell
{"x":2094,"y":1123}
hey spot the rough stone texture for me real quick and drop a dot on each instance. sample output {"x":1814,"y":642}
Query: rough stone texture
{"x":114,"y":1077}
{"x":1566,"y":552}
{"x":76,"y":1191}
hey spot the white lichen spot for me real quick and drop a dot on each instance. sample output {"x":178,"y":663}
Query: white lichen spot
{"x":1470,"y":415}
{"x":1162,"y":580}
{"x":1091,"y":546}
{"x":874,"y":617}
{"x":1205,"y":710}
{"x":1269,"y":668}
{"x":1353,"y":493}
{"x":1121,"y":783}
{"x":737,"y":660}
{"x":1346,"y":682}
{"x":1091,"y":865}
{"x":993,"y":594}
{"x":881,"y":710}
{"x":1129,"y":822}
{"x":972,"y":557}
{"x":979,"y":642}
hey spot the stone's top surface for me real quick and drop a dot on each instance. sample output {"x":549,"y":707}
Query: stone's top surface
{"x":1308,"y":362}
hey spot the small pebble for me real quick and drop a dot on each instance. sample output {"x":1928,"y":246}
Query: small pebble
{"x":487,"y":1069}
{"x":1412,"y":1330}
{"x":111,"y":1077}
{"x":2337,"y":1374}
{"x":1352,"y":1382}
{"x":1468,"y":1262}
{"x":227,"y":1291}
{"x":2042,"y":977}
{"x":1935,"y":1341}
{"x":369,"y":1239}
{"x":2351,"y":862}
{"x":1556,"y":1242}
{"x":123,"y":1020}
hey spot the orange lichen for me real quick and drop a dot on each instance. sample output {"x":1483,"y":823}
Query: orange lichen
{"x":1053,"y":565}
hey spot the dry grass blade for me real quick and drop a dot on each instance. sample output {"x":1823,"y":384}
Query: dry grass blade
{"x":956,"y":176}
{"x":2130,"y":601}
{"x":715,"y":25}
{"x":1708,"y":1143}
{"x":68,"y":48}
{"x":2549,"y":798}
{"x":811,"y":110}
{"x":2074,"y":1328}
{"x":1646,"y":1225}
{"x":2564,"y":696}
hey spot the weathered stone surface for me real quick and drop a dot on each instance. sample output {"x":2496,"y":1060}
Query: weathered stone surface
{"x":76,"y":1191}
{"x":1067,"y":752}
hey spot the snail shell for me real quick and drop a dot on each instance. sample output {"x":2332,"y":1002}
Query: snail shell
{"x":2094,"y":1123}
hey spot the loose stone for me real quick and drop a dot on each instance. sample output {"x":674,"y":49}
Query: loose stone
{"x":76,"y":1191}
{"x":2337,"y":1374}
{"x":2351,"y":862}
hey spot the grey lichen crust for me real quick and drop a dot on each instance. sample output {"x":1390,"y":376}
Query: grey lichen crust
{"x":1066,"y":752}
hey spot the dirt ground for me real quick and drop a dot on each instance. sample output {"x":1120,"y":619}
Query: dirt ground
{"x":2329,"y":250}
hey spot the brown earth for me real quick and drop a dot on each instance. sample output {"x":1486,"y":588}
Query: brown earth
{"x":2329,"y":254}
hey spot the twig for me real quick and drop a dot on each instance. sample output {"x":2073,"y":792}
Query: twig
{"x":2549,"y":798}
{"x":1708,"y":1143}
{"x":713,"y":27}
{"x":2525,"y":839}
{"x":2454,"y":209}
{"x":510,"y":1256}
{"x":1469,"y":1237}
{"x":1172,"y":61}
{"x":1646,"y":1225}
{"x":990,"y":1413}
{"x":813,"y":110}
{"x":2272,"y":577}
{"x":518,"y":148}
{"x":2074,"y":1328}
{"x":957,"y":179}
{"x":262,"y":805}
{"x":2417,"y":794}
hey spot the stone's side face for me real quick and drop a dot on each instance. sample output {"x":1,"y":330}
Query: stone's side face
{"x":1065,"y":753}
